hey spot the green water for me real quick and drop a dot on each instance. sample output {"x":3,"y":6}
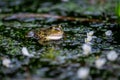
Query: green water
{"x":59,"y":59}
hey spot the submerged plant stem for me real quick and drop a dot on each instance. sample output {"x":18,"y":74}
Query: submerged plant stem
{"x":32,"y":15}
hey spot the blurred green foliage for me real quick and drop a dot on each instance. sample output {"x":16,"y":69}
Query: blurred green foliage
{"x":117,"y":9}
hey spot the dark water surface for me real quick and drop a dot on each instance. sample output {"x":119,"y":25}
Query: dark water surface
{"x":58,"y":60}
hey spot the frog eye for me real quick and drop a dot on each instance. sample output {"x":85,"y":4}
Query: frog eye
{"x":60,"y":26}
{"x":52,"y":28}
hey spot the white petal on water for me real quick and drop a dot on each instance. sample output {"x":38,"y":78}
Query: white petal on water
{"x":83,"y":73}
{"x":6,"y":62}
{"x":88,"y":39}
{"x":100,"y":62}
{"x":86,"y":49}
{"x":112,"y":55}
{"x":108,"y":33}
{"x":25,"y":52}
{"x":90,"y":33}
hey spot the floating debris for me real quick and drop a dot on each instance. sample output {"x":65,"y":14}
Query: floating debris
{"x":90,"y":33}
{"x":25,"y":52}
{"x":86,"y":49}
{"x":7,"y":62}
{"x":100,"y":62}
{"x":89,"y":37}
{"x":83,"y":73}
{"x":108,"y":33}
{"x":112,"y":55}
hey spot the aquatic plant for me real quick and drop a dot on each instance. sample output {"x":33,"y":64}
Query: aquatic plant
{"x":117,"y":9}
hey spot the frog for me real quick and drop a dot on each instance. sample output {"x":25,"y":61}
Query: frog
{"x":51,"y":33}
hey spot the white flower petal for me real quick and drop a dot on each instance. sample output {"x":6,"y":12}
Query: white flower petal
{"x":25,"y":52}
{"x":108,"y":33}
{"x":112,"y":55}
{"x":90,"y":33}
{"x":88,"y":39}
{"x":6,"y":62}
{"x":100,"y":62}
{"x":86,"y":49}
{"x":83,"y":73}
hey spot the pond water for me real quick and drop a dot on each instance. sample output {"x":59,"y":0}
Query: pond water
{"x":89,"y":49}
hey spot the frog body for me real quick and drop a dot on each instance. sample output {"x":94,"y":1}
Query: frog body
{"x":49,"y":34}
